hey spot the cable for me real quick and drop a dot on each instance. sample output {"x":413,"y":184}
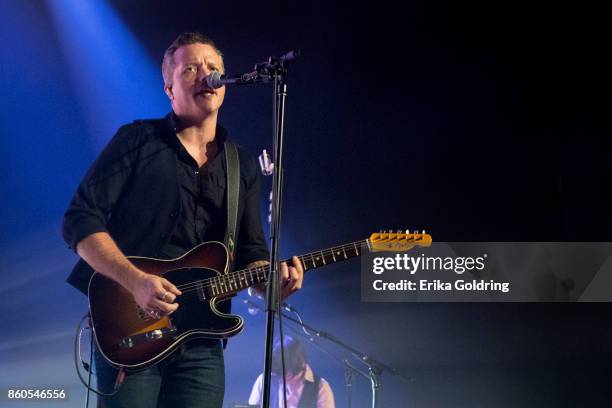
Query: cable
{"x":88,"y":367}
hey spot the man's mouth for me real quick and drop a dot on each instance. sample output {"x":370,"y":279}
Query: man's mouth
{"x":206,"y":91}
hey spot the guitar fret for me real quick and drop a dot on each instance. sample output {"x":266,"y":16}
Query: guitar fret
{"x":344,"y":250}
{"x":303,"y":261}
{"x":323,"y":257}
{"x":356,"y":251}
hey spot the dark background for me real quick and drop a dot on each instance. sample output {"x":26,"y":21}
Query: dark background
{"x":480,"y":121}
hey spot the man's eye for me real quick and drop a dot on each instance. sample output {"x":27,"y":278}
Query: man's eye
{"x":190,"y":68}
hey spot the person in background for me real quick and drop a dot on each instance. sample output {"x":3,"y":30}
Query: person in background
{"x":305,"y":389}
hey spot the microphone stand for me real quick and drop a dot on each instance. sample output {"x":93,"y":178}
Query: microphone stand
{"x":274,"y":68}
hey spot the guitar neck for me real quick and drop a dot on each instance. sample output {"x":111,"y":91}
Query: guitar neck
{"x":242,"y":279}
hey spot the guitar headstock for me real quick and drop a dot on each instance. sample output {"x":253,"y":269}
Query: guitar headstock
{"x":398,"y":241}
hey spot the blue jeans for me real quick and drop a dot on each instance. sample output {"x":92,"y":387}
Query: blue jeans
{"x":193,"y":376}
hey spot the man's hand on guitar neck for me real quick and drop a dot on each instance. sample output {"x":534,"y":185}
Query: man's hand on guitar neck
{"x":292,"y":277}
{"x":154,"y":294}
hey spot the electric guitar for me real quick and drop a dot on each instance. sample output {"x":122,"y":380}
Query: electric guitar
{"x":129,"y":337}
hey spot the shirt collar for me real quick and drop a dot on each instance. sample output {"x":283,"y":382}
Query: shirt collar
{"x":171,"y":120}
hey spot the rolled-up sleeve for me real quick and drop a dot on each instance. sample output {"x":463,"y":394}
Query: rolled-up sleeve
{"x":94,"y":200}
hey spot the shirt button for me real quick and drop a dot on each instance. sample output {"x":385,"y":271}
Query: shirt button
{"x":172,"y":214}
{"x":196,"y":172}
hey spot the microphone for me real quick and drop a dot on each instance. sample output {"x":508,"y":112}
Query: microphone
{"x":262,"y":73}
{"x":215,"y":80}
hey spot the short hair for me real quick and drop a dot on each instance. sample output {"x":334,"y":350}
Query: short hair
{"x":295,"y":356}
{"x":184,"y":39}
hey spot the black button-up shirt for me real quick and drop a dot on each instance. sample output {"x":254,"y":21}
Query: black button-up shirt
{"x":203,"y":210}
{"x":138,"y":191}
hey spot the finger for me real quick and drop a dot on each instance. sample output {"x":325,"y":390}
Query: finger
{"x":163,"y":307}
{"x":298,"y":265}
{"x":296,"y":280}
{"x":296,"y":274}
{"x":168,"y":297}
{"x":284,"y":274}
{"x":170,"y":287}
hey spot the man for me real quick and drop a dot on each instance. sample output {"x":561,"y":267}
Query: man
{"x":158,"y":190}
{"x":305,"y":389}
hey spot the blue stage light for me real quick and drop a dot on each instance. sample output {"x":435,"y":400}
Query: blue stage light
{"x":114,"y":78}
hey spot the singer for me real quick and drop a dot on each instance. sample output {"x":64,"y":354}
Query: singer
{"x":158,"y":189}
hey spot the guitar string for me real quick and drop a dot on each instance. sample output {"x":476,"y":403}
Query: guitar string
{"x":207,"y":282}
{"x":257,"y":270}
{"x":234,"y":274}
{"x":224,"y":280}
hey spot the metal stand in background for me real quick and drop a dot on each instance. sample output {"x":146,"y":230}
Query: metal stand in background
{"x":349,"y":372}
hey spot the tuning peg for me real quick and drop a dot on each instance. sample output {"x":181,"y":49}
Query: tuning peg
{"x":423,"y":232}
{"x":408,"y":231}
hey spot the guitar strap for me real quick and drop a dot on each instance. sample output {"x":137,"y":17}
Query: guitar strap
{"x":232,"y":163}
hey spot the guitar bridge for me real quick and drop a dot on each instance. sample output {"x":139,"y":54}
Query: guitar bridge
{"x":147,"y":337}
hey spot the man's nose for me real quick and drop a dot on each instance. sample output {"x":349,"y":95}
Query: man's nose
{"x":203,"y":74}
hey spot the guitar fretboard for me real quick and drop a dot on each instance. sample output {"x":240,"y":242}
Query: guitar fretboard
{"x":238,"y":280}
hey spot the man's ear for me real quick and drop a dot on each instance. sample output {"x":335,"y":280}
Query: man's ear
{"x":168,"y":91}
